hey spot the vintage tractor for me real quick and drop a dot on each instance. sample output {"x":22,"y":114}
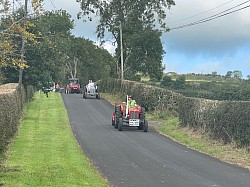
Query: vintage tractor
{"x":130,"y":117}
{"x":74,"y":85}
{"x":91,"y":90}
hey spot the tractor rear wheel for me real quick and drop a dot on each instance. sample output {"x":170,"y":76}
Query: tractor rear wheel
{"x":145,"y":126}
{"x":142,"y":115}
{"x":142,"y":119}
{"x":85,"y":95}
{"x":140,"y":126}
{"x":98,"y":96}
{"x":120,"y":124}
{"x":117,"y":116}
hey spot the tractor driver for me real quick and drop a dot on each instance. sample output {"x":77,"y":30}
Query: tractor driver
{"x":131,"y":102}
{"x":90,"y":84}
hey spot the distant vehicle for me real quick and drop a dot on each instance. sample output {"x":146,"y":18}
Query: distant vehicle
{"x":49,"y":86}
{"x":74,"y":85}
{"x":91,"y":90}
{"x":130,"y":117}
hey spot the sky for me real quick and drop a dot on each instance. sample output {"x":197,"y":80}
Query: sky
{"x":219,"y":45}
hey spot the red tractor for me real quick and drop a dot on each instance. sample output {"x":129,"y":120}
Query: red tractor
{"x":74,"y":85}
{"x":130,"y":117}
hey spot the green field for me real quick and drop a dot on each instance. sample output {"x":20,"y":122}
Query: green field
{"x":45,"y":152}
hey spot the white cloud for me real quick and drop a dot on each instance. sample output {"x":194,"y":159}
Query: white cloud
{"x":222,"y":35}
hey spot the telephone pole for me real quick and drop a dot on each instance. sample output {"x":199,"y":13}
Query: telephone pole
{"x":121,"y":48}
{"x":20,"y":82}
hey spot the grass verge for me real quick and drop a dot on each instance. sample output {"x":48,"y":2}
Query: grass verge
{"x":45,"y":152}
{"x":169,"y":126}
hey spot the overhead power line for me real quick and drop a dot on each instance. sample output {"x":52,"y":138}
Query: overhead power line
{"x":52,"y":3}
{"x":201,"y":12}
{"x":218,"y":15}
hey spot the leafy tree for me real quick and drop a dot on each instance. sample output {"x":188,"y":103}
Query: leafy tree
{"x":144,"y":54}
{"x":229,"y":74}
{"x":180,"y":81}
{"x":214,"y":73}
{"x":248,"y":77}
{"x":93,"y":62}
{"x":13,"y":28}
{"x":237,"y":74}
{"x":62,"y":55}
{"x":43,"y":57}
{"x":141,"y":40}
{"x":167,"y":81}
{"x":46,"y":60}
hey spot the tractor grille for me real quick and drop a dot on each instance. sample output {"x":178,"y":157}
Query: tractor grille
{"x":134,"y":115}
{"x":92,"y":90}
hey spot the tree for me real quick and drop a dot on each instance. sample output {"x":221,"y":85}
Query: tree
{"x":138,"y":20}
{"x":144,"y":54}
{"x":46,"y":60}
{"x":214,"y":73}
{"x":55,"y":50}
{"x":167,"y":81}
{"x":229,"y":74}
{"x":13,"y":28}
{"x":237,"y":74}
{"x":94,"y":62}
{"x":180,"y":82}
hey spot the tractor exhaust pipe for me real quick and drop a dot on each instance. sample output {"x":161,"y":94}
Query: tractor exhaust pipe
{"x":127,"y":107}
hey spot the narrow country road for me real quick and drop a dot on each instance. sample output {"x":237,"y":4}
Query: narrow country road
{"x":132,"y":158}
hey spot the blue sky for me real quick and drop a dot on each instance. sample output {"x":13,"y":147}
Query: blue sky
{"x":219,"y":45}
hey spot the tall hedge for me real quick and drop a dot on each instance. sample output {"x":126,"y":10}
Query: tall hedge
{"x":12,"y":101}
{"x":150,"y":97}
{"x":224,"y":120}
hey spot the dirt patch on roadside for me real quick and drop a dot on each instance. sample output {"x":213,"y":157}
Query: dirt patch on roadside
{"x":155,"y":124}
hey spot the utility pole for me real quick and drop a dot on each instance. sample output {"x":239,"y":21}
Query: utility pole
{"x":20,"y":82}
{"x":122,"y":76}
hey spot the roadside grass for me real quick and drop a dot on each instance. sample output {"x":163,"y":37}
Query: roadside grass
{"x":45,"y":151}
{"x":205,"y":144}
{"x":169,"y":126}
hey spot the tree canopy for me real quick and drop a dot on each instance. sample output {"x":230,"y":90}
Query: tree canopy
{"x":142,"y":24}
{"x":56,"y":51}
{"x":13,"y":28}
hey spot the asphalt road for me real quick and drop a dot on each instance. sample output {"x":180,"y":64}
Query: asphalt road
{"x":133,"y":158}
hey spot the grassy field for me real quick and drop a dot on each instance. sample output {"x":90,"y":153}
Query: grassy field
{"x":169,"y":126}
{"x":45,"y":152}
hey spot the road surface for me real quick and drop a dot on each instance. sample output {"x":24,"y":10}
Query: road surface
{"x":133,"y":158}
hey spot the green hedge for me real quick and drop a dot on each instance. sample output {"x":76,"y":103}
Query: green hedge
{"x":150,"y":97}
{"x":12,"y":101}
{"x":224,"y":120}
